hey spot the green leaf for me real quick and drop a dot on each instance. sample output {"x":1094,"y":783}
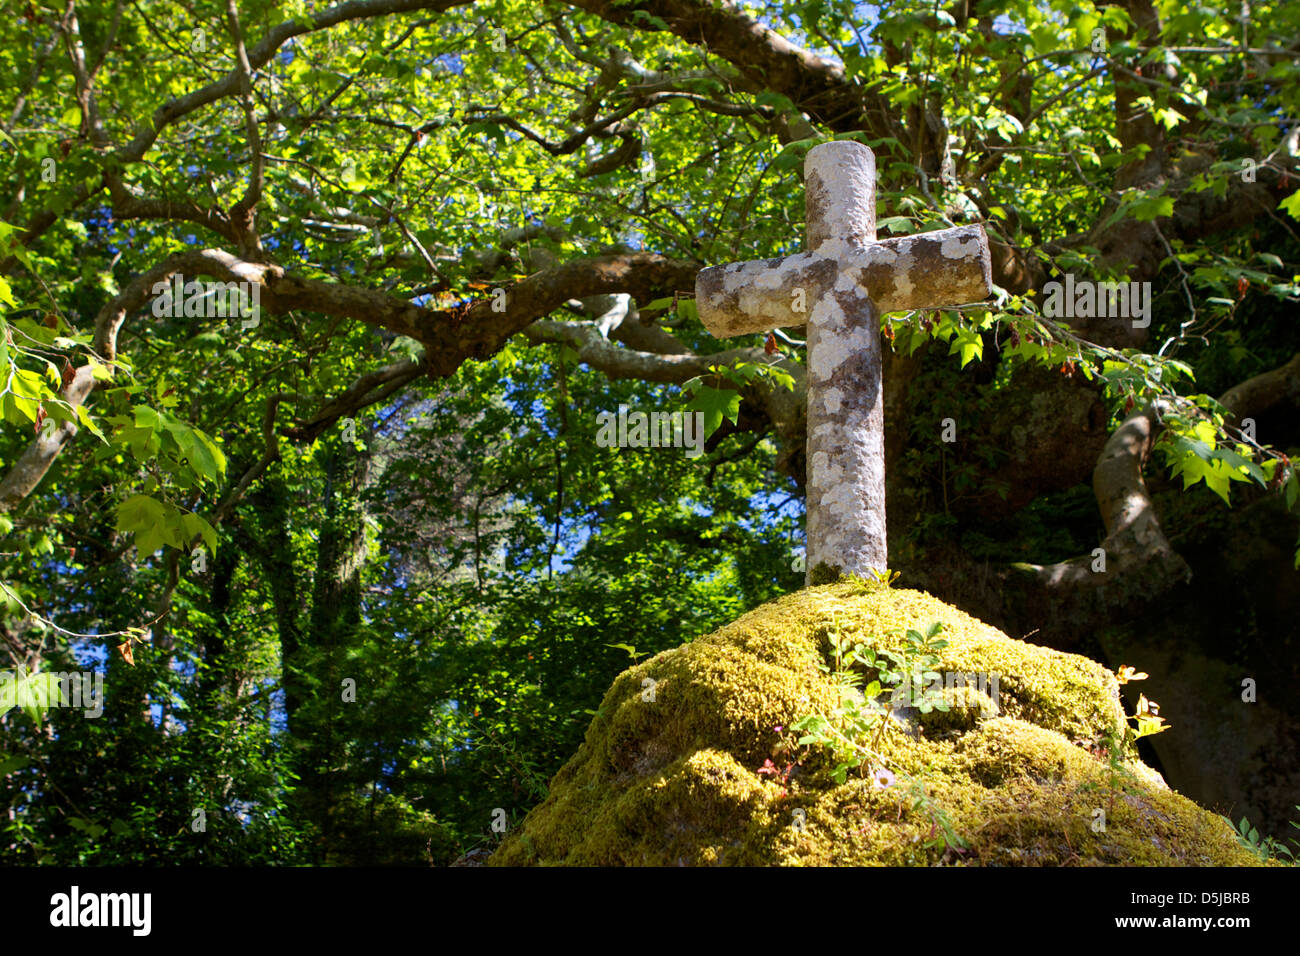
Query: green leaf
{"x":1151,"y":207}
{"x":716,"y":404}
{"x":1241,"y":466}
{"x":897,"y":224}
{"x":88,"y":827}
{"x":1169,"y":118}
{"x":88,"y":423}
{"x":196,"y":526}
{"x":9,"y":764}
{"x":203,"y":455}
{"x":792,"y":155}
{"x":1217,"y":480}
{"x":35,"y":694}
{"x":1291,"y":205}
{"x":149,"y":520}
{"x":147,"y":418}
{"x":968,"y":342}
{"x":631,"y":651}
{"x":139,"y":512}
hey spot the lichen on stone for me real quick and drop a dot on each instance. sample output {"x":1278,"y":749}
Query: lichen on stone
{"x":673,"y":778}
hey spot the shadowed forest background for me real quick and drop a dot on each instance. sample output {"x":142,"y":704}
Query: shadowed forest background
{"x":353,"y":565}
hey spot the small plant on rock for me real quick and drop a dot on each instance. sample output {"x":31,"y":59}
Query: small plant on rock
{"x":853,"y":729}
{"x":1121,"y":741}
{"x":941,"y":832}
{"x":1267,"y":847}
{"x":904,"y":677}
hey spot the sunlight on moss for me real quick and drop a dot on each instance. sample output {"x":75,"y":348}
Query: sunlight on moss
{"x":673,"y":778}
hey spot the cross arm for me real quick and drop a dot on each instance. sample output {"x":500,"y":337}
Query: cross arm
{"x":926,"y":271}
{"x":747,"y":297}
{"x":929,"y":270}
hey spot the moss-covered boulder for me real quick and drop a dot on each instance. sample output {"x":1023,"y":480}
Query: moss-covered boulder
{"x":692,"y":759}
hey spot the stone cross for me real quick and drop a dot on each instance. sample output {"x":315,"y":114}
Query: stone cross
{"x":840,"y":288}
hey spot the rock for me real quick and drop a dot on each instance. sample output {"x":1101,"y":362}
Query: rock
{"x":669,"y":771}
{"x":477,"y":857}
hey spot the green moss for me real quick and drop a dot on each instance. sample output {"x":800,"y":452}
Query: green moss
{"x":967,"y":706}
{"x":668,"y":773}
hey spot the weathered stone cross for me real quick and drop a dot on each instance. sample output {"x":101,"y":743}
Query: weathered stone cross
{"x":840,"y":288}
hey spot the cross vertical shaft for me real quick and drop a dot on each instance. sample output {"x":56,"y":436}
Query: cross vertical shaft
{"x":850,"y":280}
{"x":845,"y":489}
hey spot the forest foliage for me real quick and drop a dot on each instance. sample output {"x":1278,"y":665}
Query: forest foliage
{"x":353,"y":566}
